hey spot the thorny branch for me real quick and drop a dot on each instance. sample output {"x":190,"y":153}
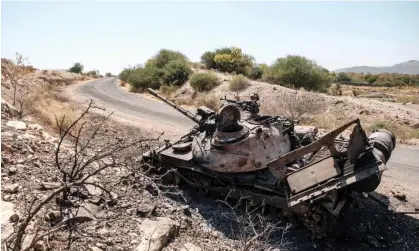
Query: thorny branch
{"x":76,"y":170}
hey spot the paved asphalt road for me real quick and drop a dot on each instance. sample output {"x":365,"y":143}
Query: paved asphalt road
{"x":134,"y":108}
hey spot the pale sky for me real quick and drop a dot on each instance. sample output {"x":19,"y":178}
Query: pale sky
{"x":110,"y":35}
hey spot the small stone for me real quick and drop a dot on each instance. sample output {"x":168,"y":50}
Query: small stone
{"x":30,"y":150}
{"x":134,"y":241}
{"x":18,"y":125}
{"x":101,"y":245}
{"x":6,"y":160}
{"x":12,"y":188}
{"x":7,"y":197}
{"x":415,"y":125}
{"x":12,"y":170}
{"x":130,"y":211}
{"x":35,"y":127}
{"x":39,"y":247}
{"x":53,"y":216}
{"x":6,"y":135}
{"x":400,"y":196}
{"x":14,"y":218}
{"x":190,"y":247}
{"x":5,"y":147}
{"x":50,"y":185}
{"x":95,"y":249}
{"x":144,"y":209}
{"x":364,"y":111}
{"x":156,"y":233}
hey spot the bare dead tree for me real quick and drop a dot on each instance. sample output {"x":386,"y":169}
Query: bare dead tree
{"x":22,"y":102}
{"x":16,"y":72}
{"x":78,"y":163}
{"x":251,"y":227}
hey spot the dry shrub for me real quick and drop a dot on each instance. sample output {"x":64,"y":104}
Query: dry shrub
{"x":123,"y":83}
{"x":209,"y":100}
{"x":168,"y":90}
{"x":238,"y":83}
{"x":205,"y":81}
{"x":408,"y":99}
{"x":47,"y":103}
{"x":293,"y":105}
{"x":336,"y":90}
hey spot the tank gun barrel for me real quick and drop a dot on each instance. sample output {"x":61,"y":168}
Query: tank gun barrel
{"x":194,"y":117}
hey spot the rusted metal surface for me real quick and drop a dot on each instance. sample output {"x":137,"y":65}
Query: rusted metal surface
{"x":263,"y":143}
{"x":278,"y":165}
{"x":312,"y":175}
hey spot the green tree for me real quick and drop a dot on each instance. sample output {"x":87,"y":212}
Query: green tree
{"x":77,"y":68}
{"x":296,"y":72}
{"x":231,"y":60}
{"x":163,"y":57}
{"x":207,"y":59}
{"x":176,"y":72}
{"x":342,"y":76}
{"x":93,"y":73}
{"x":143,"y":78}
{"x":108,"y":74}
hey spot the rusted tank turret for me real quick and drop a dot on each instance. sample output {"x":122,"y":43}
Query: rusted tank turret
{"x":266,"y":159}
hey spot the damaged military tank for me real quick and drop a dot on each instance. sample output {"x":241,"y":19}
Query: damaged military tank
{"x":268,"y":159}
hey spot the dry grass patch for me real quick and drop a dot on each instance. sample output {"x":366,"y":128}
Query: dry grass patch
{"x":238,"y":83}
{"x":408,"y":99}
{"x":211,"y":101}
{"x":168,"y":90}
{"x":48,"y":104}
{"x":294,"y":105}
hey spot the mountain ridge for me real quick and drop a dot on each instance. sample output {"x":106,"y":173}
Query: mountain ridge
{"x":408,"y":67}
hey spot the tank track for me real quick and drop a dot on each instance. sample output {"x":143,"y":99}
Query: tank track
{"x":317,"y":220}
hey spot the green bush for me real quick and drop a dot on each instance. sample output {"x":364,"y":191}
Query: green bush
{"x":230,"y":60}
{"x":163,"y":57}
{"x":176,"y":72}
{"x":343,"y":77}
{"x":207,"y":59}
{"x":143,"y":78}
{"x":298,"y":72}
{"x":165,"y":68}
{"x":76,"y":68}
{"x":204,"y":81}
{"x":124,"y":75}
{"x":238,"y":83}
{"x":93,"y":73}
{"x":256,"y":73}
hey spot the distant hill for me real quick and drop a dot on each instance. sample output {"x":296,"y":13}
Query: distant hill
{"x":408,"y":67}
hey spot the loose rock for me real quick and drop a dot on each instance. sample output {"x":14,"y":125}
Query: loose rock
{"x":95,"y":249}
{"x":50,"y":185}
{"x":190,"y":247}
{"x":11,"y":188}
{"x":18,"y":125}
{"x":156,"y":233}
{"x":144,"y":209}
{"x":14,"y":218}
{"x":12,"y":170}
